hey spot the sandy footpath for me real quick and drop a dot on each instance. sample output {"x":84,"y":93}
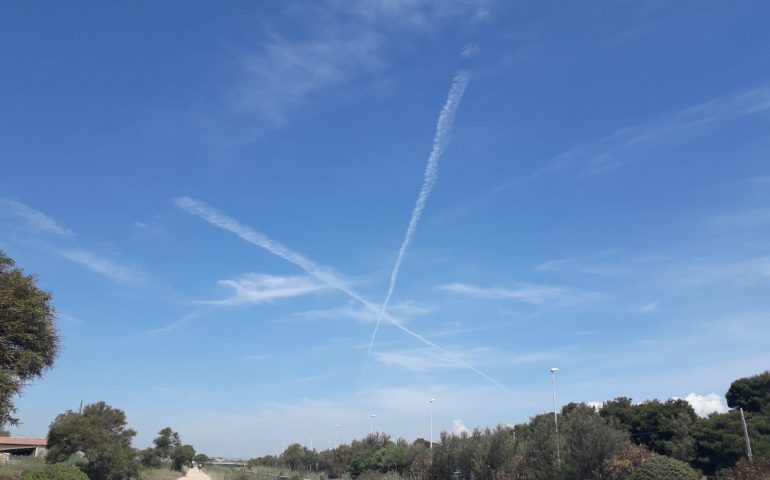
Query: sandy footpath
{"x":195,"y":474}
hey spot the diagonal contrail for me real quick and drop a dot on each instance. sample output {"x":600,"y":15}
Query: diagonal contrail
{"x":440,"y":141}
{"x":322,"y":273}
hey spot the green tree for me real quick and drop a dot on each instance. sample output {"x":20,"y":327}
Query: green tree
{"x":29,"y":341}
{"x":166,"y":442}
{"x":750,"y":393}
{"x":203,"y":459}
{"x":102,"y":435}
{"x":182,"y":455}
{"x":664,"y":427}
{"x":589,"y":440}
{"x":150,"y":458}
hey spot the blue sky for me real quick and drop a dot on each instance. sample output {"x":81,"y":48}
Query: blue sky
{"x":217,"y":194}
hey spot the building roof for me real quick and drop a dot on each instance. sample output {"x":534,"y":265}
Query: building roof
{"x":23,"y":442}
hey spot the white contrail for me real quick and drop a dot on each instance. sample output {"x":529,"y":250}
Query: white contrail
{"x":440,"y":141}
{"x":320,"y":272}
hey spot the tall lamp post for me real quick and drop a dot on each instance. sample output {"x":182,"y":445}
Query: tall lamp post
{"x":371,"y":424}
{"x":336,"y":434}
{"x":431,"y":422}
{"x":555,"y":415}
{"x":312,"y":434}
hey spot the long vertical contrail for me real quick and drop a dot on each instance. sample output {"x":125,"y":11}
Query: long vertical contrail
{"x":322,"y":273}
{"x":440,"y":141}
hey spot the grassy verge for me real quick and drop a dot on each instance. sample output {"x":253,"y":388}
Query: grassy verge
{"x":158,"y":474}
{"x":19,"y":467}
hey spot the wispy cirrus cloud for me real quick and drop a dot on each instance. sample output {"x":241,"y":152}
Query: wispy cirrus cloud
{"x":341,"y":43}
{"x":282,"y":74}
{"x":111,"y":269}
{"x":319,"y":272}
{"x":181,"y":321}
{"x":426,"y":360}
{"x":33,"y":219}
{"x":352,"y":311}
{"x":255,"y":288}
{"x":527,"y":293}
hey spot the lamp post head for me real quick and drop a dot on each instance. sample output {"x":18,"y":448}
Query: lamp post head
{"x":432,"y":400}
{"x":554,"y":370}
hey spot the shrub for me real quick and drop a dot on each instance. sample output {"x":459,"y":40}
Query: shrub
{"x":57,"y":471}
{"x":663,"y":468}
{"x":759,"y":469}
{"x":625,"y":460}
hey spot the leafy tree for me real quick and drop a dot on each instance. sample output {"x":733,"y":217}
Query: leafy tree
{"x":663,"y":468}
{"x":202,"y":458}
{"x":589,"y":439}
{"x":182,"y":455}
{"x":150,"y":458}
{"x":103,"y":437}
{"x":166,"y":442}
{"x":540,"y":448}
{"x":664,"y":427}
{"x":750,"y":393}
{"x":29,"y":341}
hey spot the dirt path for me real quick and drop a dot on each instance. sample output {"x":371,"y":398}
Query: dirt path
{"x":195,"y":473}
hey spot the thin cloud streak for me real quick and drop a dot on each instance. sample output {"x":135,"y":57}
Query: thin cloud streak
{"x":440,"y":144}
{"x":254,"y":288}
{"x":109,"y":268}
{"x":534,"y":294}
{"x":320,"y":272}
{"x":34,"y":218}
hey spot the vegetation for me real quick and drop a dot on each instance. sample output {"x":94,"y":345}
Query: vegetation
{"x":29,"y":341}
{"x":620,"y":441}
{"x":103,"y":437}
{"x":663,"y":468}
{"x":168,"y":452}
{"x":21,"y":468}
{"x":59,"y":471}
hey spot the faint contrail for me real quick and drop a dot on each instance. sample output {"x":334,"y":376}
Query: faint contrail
{"x":320,"y":272}
{"x":440,"y":141}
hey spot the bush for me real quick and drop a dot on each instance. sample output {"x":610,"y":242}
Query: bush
{"x":759,"y":469}
{"x":57,"y":471}
{"x":663,"y":468}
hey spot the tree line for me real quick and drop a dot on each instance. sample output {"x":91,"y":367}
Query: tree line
{"x":98,"y":441}
{"x":621,"y":440}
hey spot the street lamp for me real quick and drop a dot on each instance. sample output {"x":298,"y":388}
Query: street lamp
{"x":371,"y":424}
{"x":555,"y":416}
{"x":431,"y":422}
{"x":336,"y":434}
{"x":312,"y":434}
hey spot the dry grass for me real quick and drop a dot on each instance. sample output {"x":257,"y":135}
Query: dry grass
{"x":19,"y":467}
{"x":159,"y":474}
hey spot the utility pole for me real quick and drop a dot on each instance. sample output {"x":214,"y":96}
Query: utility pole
{"x":746,"y":436}
{"x":555,"y":415}
{"x":80,"y":410}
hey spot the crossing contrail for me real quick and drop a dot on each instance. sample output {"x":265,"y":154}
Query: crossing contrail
{"x":440,"y":142}
{"x":322,"y":273}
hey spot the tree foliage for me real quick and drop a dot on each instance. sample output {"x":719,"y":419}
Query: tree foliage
{"x":29,"y":341}
{"x":750,"y":393}
{"x":182,"y":455}
{"x":102,"y":435}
